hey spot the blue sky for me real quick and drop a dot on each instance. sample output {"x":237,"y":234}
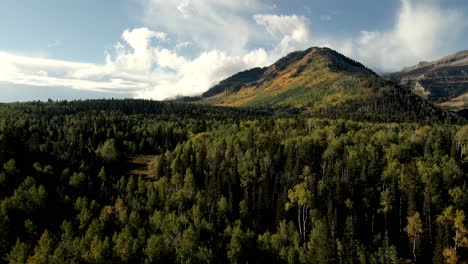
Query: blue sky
{"x":64,"y":49}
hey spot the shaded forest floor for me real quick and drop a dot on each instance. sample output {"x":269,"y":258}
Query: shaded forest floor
{"x":140,"y":165}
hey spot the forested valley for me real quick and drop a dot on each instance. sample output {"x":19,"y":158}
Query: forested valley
{"x":227,"y":185}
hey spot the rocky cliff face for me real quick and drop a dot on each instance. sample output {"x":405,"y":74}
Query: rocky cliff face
{"x":443,"y":82}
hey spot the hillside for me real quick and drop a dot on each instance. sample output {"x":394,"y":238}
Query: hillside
{"x":443,"y":82}
{"x":324,"y":82}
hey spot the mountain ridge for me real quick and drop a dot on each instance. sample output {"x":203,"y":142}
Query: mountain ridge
{"x":323,"y":82}
{"x":443,"y":81}
{"x":255,"y":75}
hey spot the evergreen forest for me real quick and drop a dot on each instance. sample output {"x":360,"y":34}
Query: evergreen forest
{"x":137,"y":181}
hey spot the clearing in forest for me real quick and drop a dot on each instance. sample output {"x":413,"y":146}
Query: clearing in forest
{"x":140,"y":165}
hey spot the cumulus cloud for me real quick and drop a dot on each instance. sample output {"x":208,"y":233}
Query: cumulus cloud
{"x":422,"y":30}
{"x":195,"y":76}
{"x":346,"y":48}
{"x":23,"y":70}
{"x":208,"y":24}
{"x":134,"y":66}
{"x":122,"y":74}
{"x":289,"y":30}
{"x":196,"y":44}
{"x":142,"y":63}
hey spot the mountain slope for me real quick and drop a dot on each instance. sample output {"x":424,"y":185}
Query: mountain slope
{"x":286,"y":81}
{"x":322,"y":81}
{"x":444,"y":81}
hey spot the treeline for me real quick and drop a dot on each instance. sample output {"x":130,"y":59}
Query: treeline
{"x":391,"y":104}
{"x":165,"y":110}
{"x":225,"y":187}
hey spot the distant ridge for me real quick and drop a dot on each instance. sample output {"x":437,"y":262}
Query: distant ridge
{"x":443,"y":81}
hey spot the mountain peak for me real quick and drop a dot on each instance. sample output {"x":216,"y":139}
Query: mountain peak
{"x":333,"y":59}
{"x":295,"y":65}
{"x":321,"y":81}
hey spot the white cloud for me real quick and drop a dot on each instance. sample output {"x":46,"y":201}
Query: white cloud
{"x":169,"y":59}
{"x":209,"y":40}
{"x":289,"y":30}
{"x":282,"y":25}
{"x":346,"y":48}
{"x":139,"y":57}
{"x":7,"y":69}
{"x":193,"y":77}
{"x":176,"y":75}
{"x":123,"y":74}
{"x":258,"y":57}
{"x":134,"y":66}
{"x":208,"y":24}
{"x":422,"y":31}
{"x":143,"y":64}
{"x":182,"y":45}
